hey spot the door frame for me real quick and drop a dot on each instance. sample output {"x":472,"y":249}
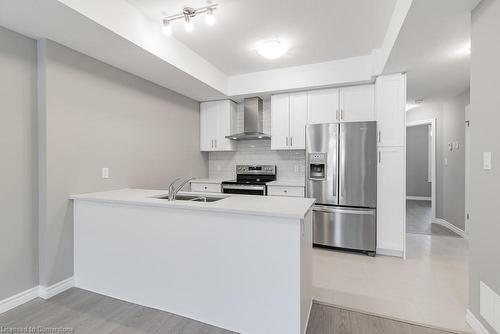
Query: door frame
{"x":467,"y":169}
{"x":432,"y":123}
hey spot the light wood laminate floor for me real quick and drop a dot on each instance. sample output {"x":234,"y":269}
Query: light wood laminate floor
{"x":332,"y":320}
{"x":87,"y":312}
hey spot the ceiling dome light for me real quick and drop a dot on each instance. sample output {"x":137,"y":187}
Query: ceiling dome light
{"x":271,"y":48}
{"x":210,"y":17}
{"x":167,"y":28}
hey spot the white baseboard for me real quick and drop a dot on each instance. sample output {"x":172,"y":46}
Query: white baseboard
{"x":419,"y":198}
{"x":19,"y":299}
{"x":475,"y":324}
{"x":389,"y":252}
{"x":47,"y":292}
{"x":37,"y":291}
{"x":450,"y":226}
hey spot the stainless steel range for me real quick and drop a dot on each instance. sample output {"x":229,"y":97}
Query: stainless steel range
{"x":250,"y":180}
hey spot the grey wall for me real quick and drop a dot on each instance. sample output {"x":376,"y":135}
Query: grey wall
{"x":453,"y":209}
{"x":485,"y":137}
{"x":18,"y":248}
{"x":417,"y":161}
{"x":97,"y":116}
{"x":450,"y":177}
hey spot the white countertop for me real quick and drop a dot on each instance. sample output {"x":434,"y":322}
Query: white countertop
{"x":215,"y":181}
{"x":284,"y":207}
{"x":289,"y":183}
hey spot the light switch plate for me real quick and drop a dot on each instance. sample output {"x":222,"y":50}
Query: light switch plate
{"x":487,"y":160}
{"x":105,"y":173}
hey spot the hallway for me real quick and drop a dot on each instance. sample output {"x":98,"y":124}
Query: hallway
{"x":419,"y":220}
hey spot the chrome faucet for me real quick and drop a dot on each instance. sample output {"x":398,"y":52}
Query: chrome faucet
{"x":172,"y":190}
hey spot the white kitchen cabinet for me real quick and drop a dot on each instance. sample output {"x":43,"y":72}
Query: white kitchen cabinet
{"x":280,"y":121}
{"x":284,"y":190}
{"x":298,"y":121}
{"x":323,"y":106}
{"x":390,"y":109}
{"x":209,"y":187}
{"x":346,"y":104}
{"x":217,"y":120}
{"x":288,"y":121}
{"x":357,"y":103}
{"x":391,"y":200}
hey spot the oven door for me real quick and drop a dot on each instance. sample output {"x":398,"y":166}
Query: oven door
{"x":244,"y":189}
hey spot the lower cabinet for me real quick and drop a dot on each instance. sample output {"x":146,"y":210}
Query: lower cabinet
{"x":290,"y":191}
{"x":208,"y":187}
{"x":391,"y":200}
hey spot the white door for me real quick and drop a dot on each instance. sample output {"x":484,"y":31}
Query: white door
{"x":391,"y":206}
{"x":390,"y":105}
{"x":280,"y":122}
{"x":298,"y":121}
{"x":357,"y":103}
{"x":467,"y":169}
{"x":323,"y":106}
{"x":226,"y":113}
{"x":208,"y":125}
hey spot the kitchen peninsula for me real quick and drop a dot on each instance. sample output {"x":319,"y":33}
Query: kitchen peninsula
{"x":242,"y":263}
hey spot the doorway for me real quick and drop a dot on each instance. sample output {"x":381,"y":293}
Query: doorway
{"x":420,"y":176}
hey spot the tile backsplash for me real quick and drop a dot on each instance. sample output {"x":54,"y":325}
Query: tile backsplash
{"x":290,"y":164}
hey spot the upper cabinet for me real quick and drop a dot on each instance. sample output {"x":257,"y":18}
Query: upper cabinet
{"x":390,"y":106}
{"x":357,"y":103}
{"x":323,"y":106}
{"x":346,"y":104}
{"x":217,"y":120}
{"x":288,"y":121}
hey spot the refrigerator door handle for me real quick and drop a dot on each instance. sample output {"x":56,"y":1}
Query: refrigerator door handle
{"x":329,"y":209}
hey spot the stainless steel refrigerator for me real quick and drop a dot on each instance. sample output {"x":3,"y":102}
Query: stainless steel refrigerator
{"x":341,"y":174}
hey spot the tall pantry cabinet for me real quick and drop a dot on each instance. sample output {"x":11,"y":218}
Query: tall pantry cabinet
{"x":390,"y":109}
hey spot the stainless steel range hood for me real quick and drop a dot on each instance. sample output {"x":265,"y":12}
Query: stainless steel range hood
{"x":252,"y":121}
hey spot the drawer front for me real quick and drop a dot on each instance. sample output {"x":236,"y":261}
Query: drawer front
{"x":285,"y":191}
{"x":206,"y":187}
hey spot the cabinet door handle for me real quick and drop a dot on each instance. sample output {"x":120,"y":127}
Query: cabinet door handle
{"x":379,"y":136}
{"x":286,"y":139}
{"x":212,"y":143}
{"x":341,"y":114}
{"x":337,"y":115}
{"x":291,"y":141}
{"x":215,"y":141}
{"x":379,"y":157}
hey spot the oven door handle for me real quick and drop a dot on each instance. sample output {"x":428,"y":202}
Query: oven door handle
{"x":243,"y":187}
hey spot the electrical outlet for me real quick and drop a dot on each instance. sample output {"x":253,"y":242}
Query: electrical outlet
{"x":105,"y":173}
{"x":296,"y":168}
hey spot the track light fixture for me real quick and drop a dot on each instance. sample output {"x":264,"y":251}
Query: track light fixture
{"x":188,"y":14}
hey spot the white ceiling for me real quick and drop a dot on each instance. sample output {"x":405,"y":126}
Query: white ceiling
{"x":430,"y":48}
{"x":338,"y":29}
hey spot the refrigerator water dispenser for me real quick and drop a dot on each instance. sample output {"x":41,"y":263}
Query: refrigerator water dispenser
{"x":317,"y":166}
